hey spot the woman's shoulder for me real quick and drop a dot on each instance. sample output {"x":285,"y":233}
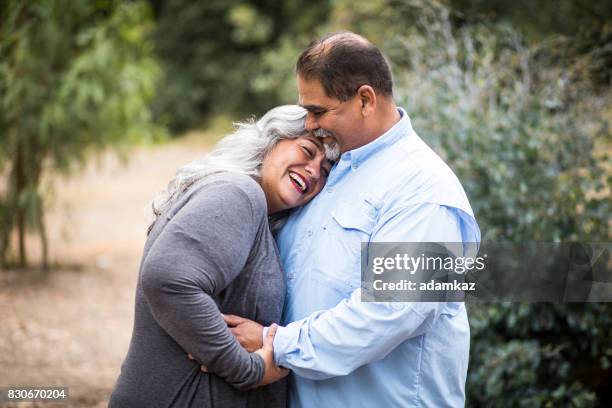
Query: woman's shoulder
{"x":233,"y":189}
{"x":232,"y":183}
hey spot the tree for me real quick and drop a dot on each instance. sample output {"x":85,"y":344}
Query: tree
{"x":75,"y":76}
{"x":229,"y":56}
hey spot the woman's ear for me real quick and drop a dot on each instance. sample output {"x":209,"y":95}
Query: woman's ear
{"x":367,"y":98}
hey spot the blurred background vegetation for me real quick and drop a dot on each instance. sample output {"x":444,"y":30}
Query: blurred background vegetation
{"x":515,"y":95}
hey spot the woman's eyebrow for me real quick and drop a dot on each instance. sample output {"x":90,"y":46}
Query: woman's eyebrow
{"x":316,"y":141}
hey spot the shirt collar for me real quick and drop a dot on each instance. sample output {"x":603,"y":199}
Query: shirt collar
{"x":401,"y":129}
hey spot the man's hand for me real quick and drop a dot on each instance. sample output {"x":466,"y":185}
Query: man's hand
{"x":273,"y":372}
{"x":248,"y":333}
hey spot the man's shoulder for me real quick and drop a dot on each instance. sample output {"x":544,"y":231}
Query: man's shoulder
{"x":419,"y":175}
{"x":411,"y":160}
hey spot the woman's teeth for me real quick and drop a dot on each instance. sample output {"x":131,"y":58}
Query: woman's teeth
{"x":299,"y":182}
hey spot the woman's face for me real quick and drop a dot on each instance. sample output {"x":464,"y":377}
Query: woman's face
{"x":294,"y":172}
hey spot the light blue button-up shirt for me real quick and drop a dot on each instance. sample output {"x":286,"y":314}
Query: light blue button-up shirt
{"x":345,"y":353}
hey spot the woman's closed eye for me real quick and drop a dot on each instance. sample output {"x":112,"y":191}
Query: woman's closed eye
{"x":309,"y":152}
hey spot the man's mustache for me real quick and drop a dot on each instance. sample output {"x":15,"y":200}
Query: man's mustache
{"x":322,"y":133}
{"x":332,"y":150}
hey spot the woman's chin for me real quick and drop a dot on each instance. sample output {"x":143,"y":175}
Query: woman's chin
{"x":293,"y":200}
{"x":292,"y":197}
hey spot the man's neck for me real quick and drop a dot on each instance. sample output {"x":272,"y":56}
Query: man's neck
{"x":388,"y":116}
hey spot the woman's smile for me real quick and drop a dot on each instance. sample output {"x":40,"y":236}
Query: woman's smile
{"x":300,"y":182}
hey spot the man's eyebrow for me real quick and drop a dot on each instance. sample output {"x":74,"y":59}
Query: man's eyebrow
{"x":311,"y":108}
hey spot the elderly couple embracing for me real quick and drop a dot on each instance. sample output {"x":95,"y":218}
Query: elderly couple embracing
{"x":249,"y":288}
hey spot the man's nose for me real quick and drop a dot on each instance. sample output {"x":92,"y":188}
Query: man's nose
{"x":311,"y":122}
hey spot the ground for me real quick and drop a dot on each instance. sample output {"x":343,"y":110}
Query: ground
{"x":72,"y":326}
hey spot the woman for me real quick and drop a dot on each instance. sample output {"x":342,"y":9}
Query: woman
{"x":210,"y":251}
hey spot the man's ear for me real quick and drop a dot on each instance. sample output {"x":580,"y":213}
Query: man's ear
{"x":367,"y":98}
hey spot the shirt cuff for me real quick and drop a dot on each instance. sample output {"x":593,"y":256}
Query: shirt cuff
{"x":282,"y":343}
{"x":264,"y":333}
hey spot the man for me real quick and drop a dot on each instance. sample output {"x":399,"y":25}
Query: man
{"x":387,"y":186}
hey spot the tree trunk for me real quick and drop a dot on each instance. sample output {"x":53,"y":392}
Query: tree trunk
{"x":42,"y":230}
{"x":35,"y":174}
{"x":19,"y":187}
{"x":21,"y":237}
{"x":40,"y":218}
{"x":5,"y":234}
{"x":3,"y":249}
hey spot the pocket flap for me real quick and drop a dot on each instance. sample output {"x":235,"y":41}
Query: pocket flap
{"x":350,"y":216}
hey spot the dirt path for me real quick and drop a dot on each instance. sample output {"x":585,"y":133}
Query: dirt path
{"x":72,"y":327}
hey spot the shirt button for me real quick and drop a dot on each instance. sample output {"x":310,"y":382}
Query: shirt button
{"x":330,"y":190}
{"x":309,"y":233}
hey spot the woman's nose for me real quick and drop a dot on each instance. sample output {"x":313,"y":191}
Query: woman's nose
{"x":314,"y":170}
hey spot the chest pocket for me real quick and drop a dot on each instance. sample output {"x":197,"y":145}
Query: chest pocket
{"x":349,"y":225}
{"x":360,"y":218}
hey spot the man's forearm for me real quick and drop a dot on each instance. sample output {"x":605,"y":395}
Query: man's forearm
{"x":337,"y":341}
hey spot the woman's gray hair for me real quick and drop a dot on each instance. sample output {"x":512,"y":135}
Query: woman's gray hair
{"x":240,"y":152}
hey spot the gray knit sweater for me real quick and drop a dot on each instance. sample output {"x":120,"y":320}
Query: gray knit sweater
{"x":212,"y":253}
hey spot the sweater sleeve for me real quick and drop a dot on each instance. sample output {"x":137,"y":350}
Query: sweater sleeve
{"x":199,"y":253}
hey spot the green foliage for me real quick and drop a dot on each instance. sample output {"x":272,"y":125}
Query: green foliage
{"x":237,"y":56}
{"x":75,"y":76}
{"x":231,"y":56}
{"x":515,"y":127}
{"x":538,"y":19}
{"x":541,"y":355}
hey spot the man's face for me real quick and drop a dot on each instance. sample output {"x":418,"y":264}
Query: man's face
{"x":342,"y":120}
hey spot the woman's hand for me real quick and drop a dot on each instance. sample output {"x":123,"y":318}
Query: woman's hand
{"x":273,"y":372}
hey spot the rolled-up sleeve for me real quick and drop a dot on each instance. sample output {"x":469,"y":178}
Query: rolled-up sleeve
{"x":198,"y":253}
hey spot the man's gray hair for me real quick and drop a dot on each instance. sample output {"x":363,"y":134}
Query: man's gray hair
{"x":240,"y":152}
